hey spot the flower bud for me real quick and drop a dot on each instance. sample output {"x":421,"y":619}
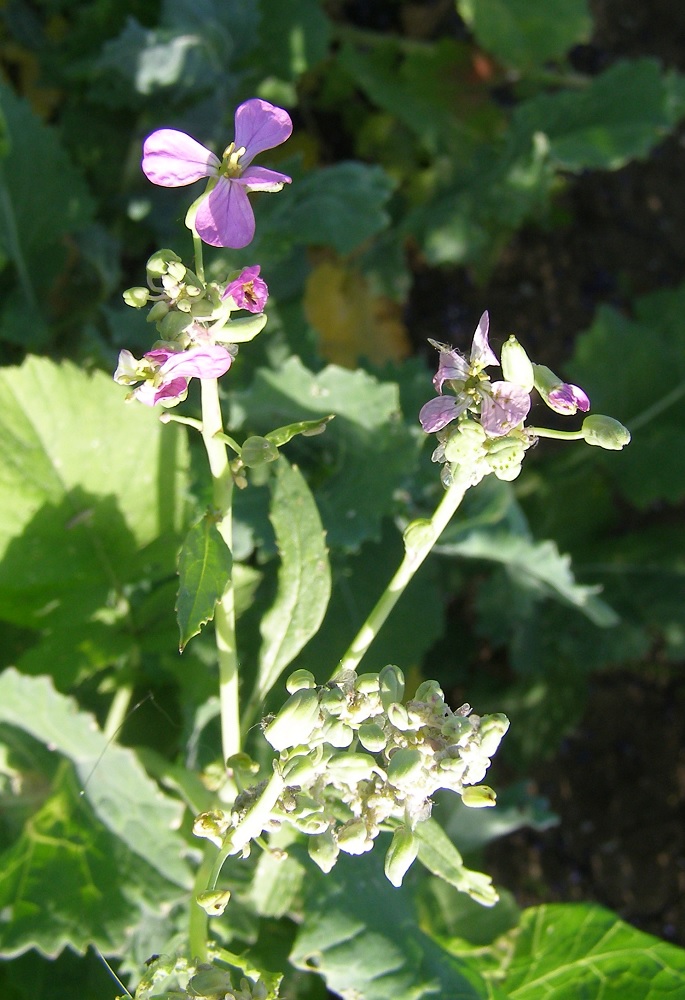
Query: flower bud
{"x":605,"y":432}
{"x":257,"y":451}
{"x":398,"y":716}
{"x":332,"y":701}
{"x":137,"y":297}
{"x":478,"y":796}
{"x":372,"y":737}
{"x":491,"y":730}
{"x":323,"y":850}
{"x":353,"y":837}
{"x":516,"y":365}
{"x":405,"y":766}
{"x":504,"y":456}
{"x":299,"y":770}
{"x":299,"y":680}
{"x":157,"y":312}
{"x":337,"y":733}
{"x":366,"y":683}
{"x":350,"y":767}
{"x":158,"y":264}
{"x":391,"y":682}
{"x":401,"y":855}
{"x":560,"y":396}
{"x":466,"y":444}
{"x":430,"y":692}
{"x":295,"y":721}
{"x":214,"y":901}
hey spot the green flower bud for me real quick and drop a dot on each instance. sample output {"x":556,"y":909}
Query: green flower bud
{"x":337,"y":733}
{"x":295,"y":721}
{"x":350,"y":767}
{"x":214,"y":901}
{"x":210,"y":983}
{"x":323,"y":850}
{"x":299,"y":770}
{"x":418,"y":534}
{"x":430,"y":692}
{"x":372,"y":737}
{"x":311,"y":825}
{"x":398,"y":716}
{"x":137,"y":297}
{"x":367,"y":683}
{"x":391,"y":682}
{"x":491,"y":730}
{"x":516,"y":365}
{"x":158,"y":264}
{"x":353,"y":837}
{"x":465,"y":444}
{"x":401,"y":855}
{"x":157,"y":312}
{"x":177,"y":270}
{"x":299,"y":680}
{"x":333,"y":700}
{"x":172,"y":325}
{"x":258,"y":450}
{"x":212,"y":825}
{"x":406,"y":765}
{"x":605,"y":432}
{"x":478,"y":796}
{"x":505,"y":455}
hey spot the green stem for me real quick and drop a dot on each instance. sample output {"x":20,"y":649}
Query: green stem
{"x":117,"y":711}
{"x":414,"y":556}
{"x":224,"y":615}
{"x":549,"y":432}
{"x":198,"y":934}
{"x":199,"y":265}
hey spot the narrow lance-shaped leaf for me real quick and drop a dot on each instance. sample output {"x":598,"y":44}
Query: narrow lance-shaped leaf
{"x":204,"y":569}
{"x":304,"y":577}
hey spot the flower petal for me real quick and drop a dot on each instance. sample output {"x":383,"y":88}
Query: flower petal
{"x":263,"y":179}
{"x":248,"y":290}
{"x":259,"y":126}
{"x":440,"y":411}
{"x":172,"y":159}
{"x":568,"y":398}
{"x":225,"y":217}
{"x":481,"y":352}
{"x":199,"y":362}
{"x":175,"y":391}
{"x":503,"y":408}
{"x":452,"y":367}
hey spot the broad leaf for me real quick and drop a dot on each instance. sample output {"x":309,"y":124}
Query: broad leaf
{"x":124,"y":799}
{"x":304,"y":576}
{"x":584,"y":950}
{"x":362,"y":935}
{"x":204,"y":569}
{"x":441,"y":858}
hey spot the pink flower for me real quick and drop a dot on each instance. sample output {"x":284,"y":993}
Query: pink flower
{"x":248,"y":290}
{"x":563,"y":397}
{"x":225,"y":217}
{"x":502,"y":405}
{"x":165,"y":373}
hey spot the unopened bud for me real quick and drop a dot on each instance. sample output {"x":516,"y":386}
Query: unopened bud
{"x":295,"y":721}
{"x":430,"y":692}
{"x":372,"y":737}
{"x":401,"y":855}
{"x":353,"y":837}
{"x":136,"y":297}
{"x":257,"y":451}
{"x":157,"y":312}
{"x":300,"y":680}
{"x":337,"y":733}
{"x":405,"y":767}
{"x":214,"y":901}
{"x":516,"y":365}
{"x":241,"y":331}
{"x":367,"y":683}
{"x":491,"y":730}
{"x":323,"y":850}
{"x":350,"y":767}
{"x":605,"y":432}
{"x":398,"y":716}
{"x":391,"y":682}
{"x":159,"y":263}
{"x":478,"y":796}
{"x":560,"y":396}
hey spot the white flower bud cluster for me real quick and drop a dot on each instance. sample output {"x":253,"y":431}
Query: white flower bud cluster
{"x":465,"y":449}
{"x":354,"y":758}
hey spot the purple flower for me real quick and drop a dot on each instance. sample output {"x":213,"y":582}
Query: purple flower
{"x":165,"y":373}
{"x":563,"y":397}
{"x":502,"y":405}
{"x":225,"y":217}
{"x":248,"y":290}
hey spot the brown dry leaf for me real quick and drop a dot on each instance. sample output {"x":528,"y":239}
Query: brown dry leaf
{"x":351,"y":322}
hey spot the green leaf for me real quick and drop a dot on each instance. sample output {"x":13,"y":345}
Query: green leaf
{"x":366,"y":451}
{"x":293,"y":37}
{"x":619,"y":116}
{"x":439,"y":855}
{"x":304,"y":576}
{"x":68,"y":881}
{"x":362,"y":936}
{"x":87,"y":484}
{"x":204,"y":569}
{"x":584,"y":950}
{"x":122,"y":796}
{"x":524,"y":34}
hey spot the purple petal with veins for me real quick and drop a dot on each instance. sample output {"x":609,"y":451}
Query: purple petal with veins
{"x":568,"y":398}
{"x":503,"y":408}
{"x":440,"y":411}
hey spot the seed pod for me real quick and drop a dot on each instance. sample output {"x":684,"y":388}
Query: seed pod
{"x":295,"y":721}
{"x":401,"y":855}
{"x":391,"y":680}
{"x":323,"y":850}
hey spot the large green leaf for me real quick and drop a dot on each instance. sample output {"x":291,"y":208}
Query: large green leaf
{"x":583,"y":950}
{"x":92,"y":496}
{"x":362,"y":935}
{"x":620,"y":115}
{"x":304,"y":576}
{"x":524,"y":34}
{"x":124,"y":799}
{"x":204,"y":569}
{"x":365,"y":453}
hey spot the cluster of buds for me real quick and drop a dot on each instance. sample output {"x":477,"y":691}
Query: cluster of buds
{"x":355,"y":759}
{"x":480,"y":424}
{"x":198,"y":336}
{"x":170,"y":978}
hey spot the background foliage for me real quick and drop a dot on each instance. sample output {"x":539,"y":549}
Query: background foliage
{"x":428,"y":140}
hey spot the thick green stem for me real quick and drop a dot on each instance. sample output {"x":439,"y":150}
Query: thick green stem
{"x":418,"y":545}
{"x":197,"y":928}
{"x":224,"y":616}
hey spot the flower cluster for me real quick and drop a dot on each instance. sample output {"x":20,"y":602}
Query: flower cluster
{"x":198,"y":336}
{"x":355,"y":759}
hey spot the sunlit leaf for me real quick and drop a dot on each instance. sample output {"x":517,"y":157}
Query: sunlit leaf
{"x":204,"y":569}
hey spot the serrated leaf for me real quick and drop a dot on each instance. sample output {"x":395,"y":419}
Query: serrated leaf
{"x":122,"y":796}
{"x":367,"y":449}
{"x":204,"y":569}
{"x":584,"y":950}
{"x":524,"y":35}
{"x":304,"y":576}
{"x":619,"y":116}
{"x":362,"y":936}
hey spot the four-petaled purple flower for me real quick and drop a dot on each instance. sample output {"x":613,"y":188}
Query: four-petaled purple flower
{"x":165,"y":373}
{"x":248,"y":290}
{"x":225,"y":217}
{"x":502,"y":405}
